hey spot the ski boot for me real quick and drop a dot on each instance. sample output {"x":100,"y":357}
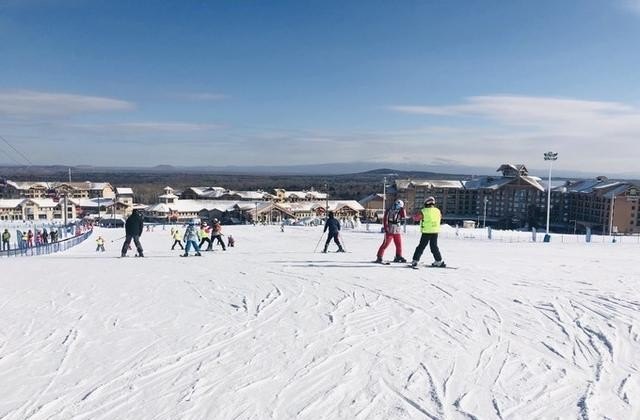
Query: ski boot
{"x":399,"y":259}
{"x":440,"y":264}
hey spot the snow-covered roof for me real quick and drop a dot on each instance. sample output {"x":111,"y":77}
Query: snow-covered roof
{"x":10,"y":203}
{"x":170,"y":195}
{"x":44,"y":202}
{"x":124,"y":191}
{"x":91,"y":202}
{"x":193,"y":206}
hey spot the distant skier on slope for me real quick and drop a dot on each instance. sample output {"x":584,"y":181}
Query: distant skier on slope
{"x":394,"y":216}
{"x":429,"y":218}
{"x":191,"y":239}
{"x":216,"y":234}
{"x":177,"y":238}
{"x":333,"y":226}
{"x":133,"y":229}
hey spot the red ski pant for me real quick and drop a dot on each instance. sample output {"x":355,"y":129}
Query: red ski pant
{"x":397,"y":241}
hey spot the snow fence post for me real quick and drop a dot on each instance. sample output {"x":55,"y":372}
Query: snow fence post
{"x":489,"y":232}
{"x":588,"y":235}
{"x":533,"y":234}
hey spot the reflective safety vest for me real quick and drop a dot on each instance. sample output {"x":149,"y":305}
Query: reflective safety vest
{"x":431,"y":217}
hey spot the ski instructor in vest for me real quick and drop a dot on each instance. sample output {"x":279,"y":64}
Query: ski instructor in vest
{"x":133,"y":228}
{"x":429,"y":218}
{"x":392,"y":222}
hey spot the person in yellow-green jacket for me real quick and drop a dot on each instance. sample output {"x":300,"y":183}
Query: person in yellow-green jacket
{"x":429,"y":218}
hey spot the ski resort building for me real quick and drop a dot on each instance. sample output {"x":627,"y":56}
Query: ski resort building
{"x":518,"y":200}
{"x":24,"y":209}
{"x":514,"y":199}
{"x":30,"y":189}
{"x":600,"y":204}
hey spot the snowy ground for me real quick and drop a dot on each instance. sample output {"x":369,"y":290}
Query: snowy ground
{"x":271,"y":330}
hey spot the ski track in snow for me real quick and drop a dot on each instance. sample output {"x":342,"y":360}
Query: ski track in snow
{"x":280,"y":332}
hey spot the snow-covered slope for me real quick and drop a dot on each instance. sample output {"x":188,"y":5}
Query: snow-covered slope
{"x":271,"y":330}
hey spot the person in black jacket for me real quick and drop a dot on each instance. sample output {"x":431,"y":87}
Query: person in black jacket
{"x":333,"y":225}
{"x":133,"y":228}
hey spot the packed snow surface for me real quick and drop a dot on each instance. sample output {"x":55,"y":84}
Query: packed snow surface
{"x":271,"y":329}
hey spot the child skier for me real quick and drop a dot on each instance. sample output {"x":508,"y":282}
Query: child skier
{"x":191,"y":239}
{"x":392,"y":222}
{"x":100,"y":244}
{"x":177,"y":238}
{"x":216,"y":234}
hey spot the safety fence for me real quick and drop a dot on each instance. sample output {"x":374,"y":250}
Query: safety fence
{"x":43,"y":249}
{"x":512,"y":236}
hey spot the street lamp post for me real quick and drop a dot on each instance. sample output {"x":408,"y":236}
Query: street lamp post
{"x":551,"y":157}
{"x":613,"y":203}
{"x":484,"y":217}
{"x":384,"y":194}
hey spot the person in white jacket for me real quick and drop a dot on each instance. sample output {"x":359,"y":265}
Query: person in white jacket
{"x":191,"y":239}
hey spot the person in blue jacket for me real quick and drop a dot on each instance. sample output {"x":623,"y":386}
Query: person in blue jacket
{"x":333,"y":226}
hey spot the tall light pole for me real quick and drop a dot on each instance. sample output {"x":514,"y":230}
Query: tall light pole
{"x":613,"y":203}
{"x":551,"y":157}
{"x":484,"y":217}
{"x":384,"y":194}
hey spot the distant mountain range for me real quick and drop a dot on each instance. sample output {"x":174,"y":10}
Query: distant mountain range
{"x":381,"y":168}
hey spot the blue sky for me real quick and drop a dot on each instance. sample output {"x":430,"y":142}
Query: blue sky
{"x":459,"y":83}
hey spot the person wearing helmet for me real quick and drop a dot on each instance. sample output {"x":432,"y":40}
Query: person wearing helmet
{"x":429,"y":218}
{"x":394,"y":216}
{"x":216,"y":235}
{"x":191,"y":239}
{"x":333,"y":225}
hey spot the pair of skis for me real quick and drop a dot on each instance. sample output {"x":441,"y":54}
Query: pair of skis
{"x":416,"y":267}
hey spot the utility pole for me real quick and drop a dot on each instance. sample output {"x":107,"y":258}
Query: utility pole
{"x":384,"y":194}
{"x":69,"y":175}
{"x":551,"y":157}
{"x":484,"y":219}
{"x":613,"y":202}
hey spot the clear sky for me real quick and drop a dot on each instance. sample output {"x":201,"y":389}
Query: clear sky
{"x":478,"y":83}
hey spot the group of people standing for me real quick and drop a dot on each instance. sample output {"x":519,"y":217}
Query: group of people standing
{"x":205,"y":234}
{"x":429,"y":218}
{"x":394,"y":217}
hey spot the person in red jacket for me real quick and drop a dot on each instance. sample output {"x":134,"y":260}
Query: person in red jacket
{"x":394,"y":216}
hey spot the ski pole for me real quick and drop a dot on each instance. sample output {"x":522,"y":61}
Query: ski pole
{"x":120,"y":238}
{"x":341,"y":239}
{"x":318,"y":244}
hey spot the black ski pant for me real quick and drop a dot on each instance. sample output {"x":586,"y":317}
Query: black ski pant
{"x":127,"y":242}
{"x":432,"y":240}
{"x":220,"y":242}
{"x":335,"y":237}
{"x":177,"y":242}
{"x":203,"y":241}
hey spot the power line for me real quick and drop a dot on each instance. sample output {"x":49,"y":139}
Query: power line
{"x":17,"y":151}
{"x":4,"y":152}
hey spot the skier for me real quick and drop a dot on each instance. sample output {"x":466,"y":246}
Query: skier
{"x":333,"y":225}
{"x":429,"y":218}
{"x":177,"y":239}
{"x":29,"y":239}
{"x":216,"y":234}
{"x":204,"y":233}
{"x":231,"y":242}
{"x":392,"y":222}
{"x":191,"y":239}
{"x":100,"y":244}
{"x":6,"y":237}
{"x":133,"y":229}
